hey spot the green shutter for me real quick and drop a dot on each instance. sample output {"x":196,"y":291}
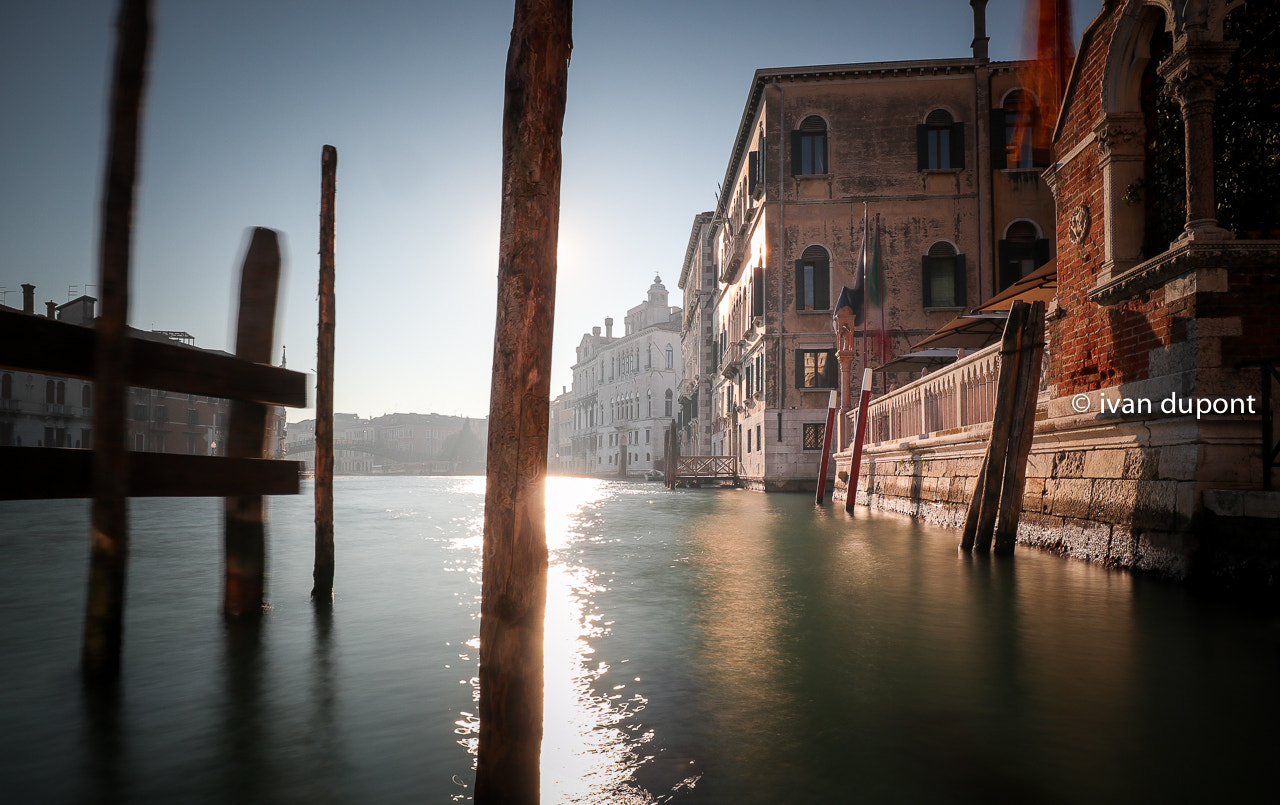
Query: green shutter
{"x":999,"y":154}
{"x":957,"y":145}
{"x":922,"y":147}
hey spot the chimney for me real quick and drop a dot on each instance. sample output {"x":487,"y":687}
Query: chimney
{"x":595,"y":331}
{"x":50,"y":308}
{"x":608,"y":327}
{"x":980,"y":38}
{"x":28,"y":298}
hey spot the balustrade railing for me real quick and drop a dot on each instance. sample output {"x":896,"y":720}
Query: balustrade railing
{"x":958,"y":396}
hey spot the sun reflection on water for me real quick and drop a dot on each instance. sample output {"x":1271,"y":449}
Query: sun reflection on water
{"x":592,"y":742}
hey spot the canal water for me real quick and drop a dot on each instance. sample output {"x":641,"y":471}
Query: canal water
{"x":702,"y":647}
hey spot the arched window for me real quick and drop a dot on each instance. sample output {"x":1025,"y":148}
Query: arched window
{"x":667,"y":409}
{"x":62,"y":392}
{"x":1020,"y":115}
{"x":943,"y":277}
{"x":813,"y":279}
{"x":671,"y":357}
{"x":940,"y":142}
{"x":49,"y":392}
{"x":1021,"y":252}
{"x":809,"y":147}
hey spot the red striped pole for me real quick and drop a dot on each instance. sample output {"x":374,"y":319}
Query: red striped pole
{"x":826,"y":451}
{"x":864,"y":399}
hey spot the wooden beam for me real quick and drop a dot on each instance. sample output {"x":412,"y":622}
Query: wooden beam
{"x":1022,"y":430}
{"x":514,"y":587}
{"x":322,"y":575}
{"x":244,"y":590}
{"x":37,"y":344}
{"x":109,"y":520}
{"x":35,"y":473}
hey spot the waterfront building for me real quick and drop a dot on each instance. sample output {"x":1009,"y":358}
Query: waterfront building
{"x":929,"y":149}
{"x":1154,"y":439}
{"x":560,"y":435}
{"x":698,"y":286}
{"x":624,"y":390}
{"x":403,"y":444}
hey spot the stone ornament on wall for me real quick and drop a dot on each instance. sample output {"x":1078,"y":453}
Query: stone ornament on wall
{"x":1078,"y":226}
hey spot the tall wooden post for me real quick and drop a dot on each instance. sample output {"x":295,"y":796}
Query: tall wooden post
{"x":322,"y":588}
{"x":820,"y":492}
{"x":1022,"y":431}
{"x":245,"y":524}
{"x":859,"y":434}
{"x":109,"y":522}
{"x":514,"y":586}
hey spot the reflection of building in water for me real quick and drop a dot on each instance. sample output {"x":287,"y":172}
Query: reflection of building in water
{"x":426,"y":444}
{"x":624,"y":389}
{"x":47,"y":411}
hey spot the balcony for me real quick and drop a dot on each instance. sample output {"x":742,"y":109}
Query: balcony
{"x":730,"y":361}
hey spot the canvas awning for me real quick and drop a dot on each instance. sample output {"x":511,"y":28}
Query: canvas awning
{"x":982,"y":327}
{"x":922,"y":359}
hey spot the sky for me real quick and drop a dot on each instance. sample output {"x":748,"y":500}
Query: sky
{"x":242,"y":97}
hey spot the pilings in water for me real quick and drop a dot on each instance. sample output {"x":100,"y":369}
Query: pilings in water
{"x":859,"y":433}
{"x":245,"y":570}
{"x":820,"y":491}
{"x":322,"y":588}
{"x":514,"y":584}
{"x":999,"y":487}
{"x":109,"y":550}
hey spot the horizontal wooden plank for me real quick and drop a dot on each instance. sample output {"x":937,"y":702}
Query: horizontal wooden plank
{"x":38,"y":344}
{"x":36,"y":473}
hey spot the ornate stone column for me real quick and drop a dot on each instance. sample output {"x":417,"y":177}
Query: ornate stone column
{"x":1194,"y":73}
{"x":1121,"y":159}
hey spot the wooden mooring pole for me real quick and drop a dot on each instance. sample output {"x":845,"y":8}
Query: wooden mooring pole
{"x":859,"y":434}
{"x":245,"y":525}
{"x":820,"y":491}
{"x":1022,"y":430}
{"x":514,"y":585}
{"x":322,"y":588}
{"x":109,"y":521}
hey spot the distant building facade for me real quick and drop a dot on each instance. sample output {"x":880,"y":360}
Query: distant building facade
{"x":397,"y":444}
{"x":698,"y":359}
{"x":928,"y":147}
{"x":623,"y":398}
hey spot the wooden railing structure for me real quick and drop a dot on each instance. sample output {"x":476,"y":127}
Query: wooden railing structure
{"x":961,"y":395}
{"x":706,"y":468}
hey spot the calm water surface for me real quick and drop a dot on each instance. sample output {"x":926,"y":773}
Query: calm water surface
{"x":702,"y":647}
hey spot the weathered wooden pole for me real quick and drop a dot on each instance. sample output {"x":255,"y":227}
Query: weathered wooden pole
{"x":981,"y":519}
{"x":109,"y":521}
{"x":514,"y":586}
{"x":673,"y":461}
{"x":859,"y":434}
{"x":322,"y":588}
{"x":1022,"y":430}
{"x":820,"y":492}
{"x":245,"y":524}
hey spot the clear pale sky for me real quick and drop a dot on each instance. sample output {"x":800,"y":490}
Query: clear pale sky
{"x":243,"y":95}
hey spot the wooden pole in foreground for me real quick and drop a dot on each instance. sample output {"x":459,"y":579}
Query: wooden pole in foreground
{"x":109,"y":521}
{"x":514,"y":586}
{"x":859,"y":433}
{"x":1022,"y":430}
{"x":983,"y":507}
{"x":322,"y":588}
{"x":245,"y":525}
{"x":820,"y":493}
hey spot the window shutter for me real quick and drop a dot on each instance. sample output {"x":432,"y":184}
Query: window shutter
{"x":1042,"y":251}
{"x":957,"y":146}
{"x":924,"y":280}
{"x":799,"y":285}
{"x":757,"y":292}
{"x":832,"y":375}
{"x":922,"y":147}
{"x":999,"y":153}
{"x":797,"y":167}
{"x":821,"y":286}
{"x":960,"y":280}
{"x":760,"y":163}
{"x":753,"y":170}
{"x":826,"y":166}
{"x":1004,"y":271}
{"x":799,"y":369}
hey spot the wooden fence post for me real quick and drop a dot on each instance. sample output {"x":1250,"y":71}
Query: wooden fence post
{"x":109,"y":520}
{"x":322,"y":588}
{"x":514,"y":585}
{"x":247,"y":429}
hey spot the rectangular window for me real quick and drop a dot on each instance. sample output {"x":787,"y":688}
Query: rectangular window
{"x":944,"y":281}
{"x":813,"y":433}
{"x":816,"y":369}
{"x":193,"y":416}
{"x":140,"y":412}
{"x":813,"y":285}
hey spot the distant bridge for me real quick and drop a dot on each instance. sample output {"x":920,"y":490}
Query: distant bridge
{"x":696,"y":469}
{"x":355,"y":446}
